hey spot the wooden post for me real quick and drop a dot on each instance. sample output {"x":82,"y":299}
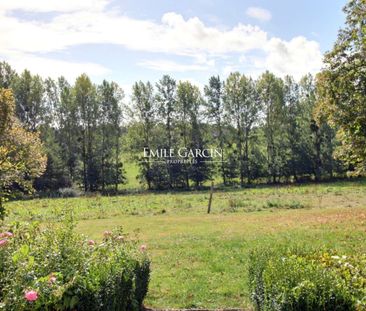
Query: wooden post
{"x":210,"y":199}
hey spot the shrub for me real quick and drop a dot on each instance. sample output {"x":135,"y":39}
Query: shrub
{"x":299,"y":279}
{"x":52,"y":268}
{"x":283,"y":204}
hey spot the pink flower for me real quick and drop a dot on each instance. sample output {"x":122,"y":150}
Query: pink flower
{"x":91,"y":242}
{"x":107,"y":233}
{"x":3,"y":242}
{"x":143,"y":248}
{"x":6,"y":234}
{"x":31,"y":295}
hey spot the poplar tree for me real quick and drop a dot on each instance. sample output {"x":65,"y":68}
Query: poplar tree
{"x":167,"y":101}
{"x":144,"y":110}
{"x":214,"y":105}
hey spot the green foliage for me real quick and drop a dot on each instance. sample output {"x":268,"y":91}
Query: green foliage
{"x":7,"y":75}
{"x":242,"y":108}
{"x":68,"y":272}
{"x":264,"y":128}
{"x":21,"y":152}
{"x":341,"y":87}
{"x":31,"y":108}
{"x":299,"y":278}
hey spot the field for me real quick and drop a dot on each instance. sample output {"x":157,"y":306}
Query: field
{"x":200,"y":260}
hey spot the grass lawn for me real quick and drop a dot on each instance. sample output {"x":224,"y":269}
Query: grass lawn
{"x":200,"y":260}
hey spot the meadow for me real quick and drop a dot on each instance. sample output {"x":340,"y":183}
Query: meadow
{"x":201,"y":260}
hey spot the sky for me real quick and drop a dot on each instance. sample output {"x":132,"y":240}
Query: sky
{"x":131,"y":40}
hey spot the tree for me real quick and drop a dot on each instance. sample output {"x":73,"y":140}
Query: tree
{"x":232,"y":98}
{"x":21,"y":155}
{"x":30,"y":101}
{"x":166,"y":99}
{"x":67,"y":123}
{"x":215,"y":112}
{"x":56,"y":175}
{"x":271,"y":94}
{"x":251,"y":106}
{"x":242,"y":106}
{"x":342,"y":87}
{"x":85,"y":98}
{"x":144,"y":105}
{"x":7,"y":76}
{"x":189,"y":101}
{"x":110,"y":97}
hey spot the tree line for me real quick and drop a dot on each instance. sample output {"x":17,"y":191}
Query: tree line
{"x":265,"y":128}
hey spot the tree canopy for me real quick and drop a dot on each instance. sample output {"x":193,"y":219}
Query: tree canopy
{"x":21,"y":153}
{"x":342,"y":87}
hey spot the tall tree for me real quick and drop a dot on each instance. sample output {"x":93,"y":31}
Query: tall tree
{"x":309,"y":135}
{"x":144,"y":105}
{"x":242,"y":106}
{"x":166,"y":99}
{"x":21,"y":154}
{"x":214,"y":93}
{"x":189,"y":101}
{"x":30,"y":101}
{"x":56,"y":175}
{"x":85,"y":97}
{"x":342,"y":86}
{"x":251,"y":106}
{"x":68,"y":134}
{"x":233,"y":105}
{"x":271,"y":93}
{"x":110,"y":97}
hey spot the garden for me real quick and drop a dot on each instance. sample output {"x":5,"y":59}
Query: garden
{"x":250,"y":251}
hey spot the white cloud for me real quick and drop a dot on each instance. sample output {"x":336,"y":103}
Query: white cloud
{"x":172,"y":35}
{"x":54,"y":68}
{"x":81,"y":22}
{"x":171,"y":66}
{"x":295,"y":57}
{"x":260,"y":14}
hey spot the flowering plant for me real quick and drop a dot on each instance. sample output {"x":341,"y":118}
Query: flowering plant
{"x":50,"y":267}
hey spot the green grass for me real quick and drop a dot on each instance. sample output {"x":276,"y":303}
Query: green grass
{"x":200,"y":260}
{"x":131,"y":173}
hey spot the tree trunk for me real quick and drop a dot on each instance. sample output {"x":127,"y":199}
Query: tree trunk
{"x":222,"y":153}
{"x":116,"y":162}
{"x":102,"y":171}
{"x":240,"y":153}
{"x":84,"y":164}
{"x":247,"y":154}
{"x":318,"y":156}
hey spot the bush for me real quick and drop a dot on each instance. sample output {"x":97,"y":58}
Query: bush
{"x":52,"y":268}
{"x":299,"y":279}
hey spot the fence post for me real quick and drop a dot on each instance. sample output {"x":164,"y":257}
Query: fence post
{"x":210,"y":199}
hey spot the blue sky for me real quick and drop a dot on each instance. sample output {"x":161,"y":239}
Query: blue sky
{"x":126,"y":40}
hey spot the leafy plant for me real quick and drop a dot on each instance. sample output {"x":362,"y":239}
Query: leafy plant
{"x":300,"y":279}
{"x":50,"y":267}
